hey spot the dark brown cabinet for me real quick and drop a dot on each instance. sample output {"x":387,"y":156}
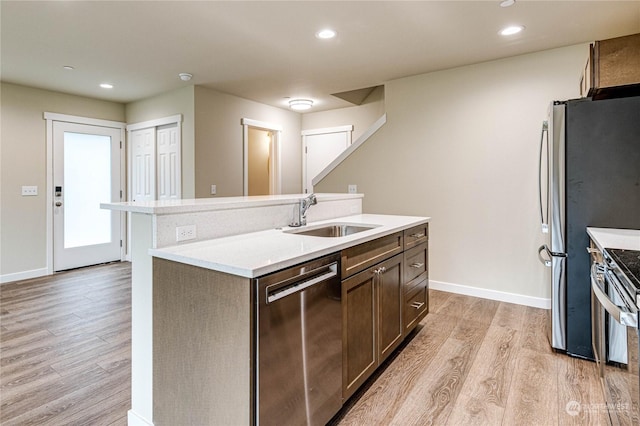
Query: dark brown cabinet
{"x":385,"y":285}
{"x":372,"y":320}
{"x":612,"y":68}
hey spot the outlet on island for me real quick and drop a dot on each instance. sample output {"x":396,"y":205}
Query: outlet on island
{"x":184,"y":233}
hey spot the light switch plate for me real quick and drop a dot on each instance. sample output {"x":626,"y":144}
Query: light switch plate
{"x":214,"y":189}
{"x":29,"y":191}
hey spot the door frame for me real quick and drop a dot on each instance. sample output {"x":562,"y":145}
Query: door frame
{"x":50,"y":117}
{"x":275,"y":175}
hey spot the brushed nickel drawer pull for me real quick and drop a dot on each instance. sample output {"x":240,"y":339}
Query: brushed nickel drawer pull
{"x":417,"y":235}
{"x":417,"y":265}
{"x":417,"y":305}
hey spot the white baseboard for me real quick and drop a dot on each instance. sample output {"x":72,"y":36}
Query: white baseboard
{"x":24,"y":275}
{"x":501,"y":296}
{"x":134,"y":419}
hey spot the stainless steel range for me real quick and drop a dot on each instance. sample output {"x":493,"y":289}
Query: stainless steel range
{"x":615,"y":308}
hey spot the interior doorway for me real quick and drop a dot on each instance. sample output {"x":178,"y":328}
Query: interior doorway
{"x":260,"y":142}
{"x":261,"y":157}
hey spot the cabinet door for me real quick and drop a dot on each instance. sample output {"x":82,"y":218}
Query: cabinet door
{"x":359,"y":311}
{"x":390,"y":291}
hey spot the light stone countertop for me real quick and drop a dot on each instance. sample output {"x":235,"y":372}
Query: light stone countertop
{"x":258,"y":253}
{"x":194,"y":205}
{"x":628,"y":239}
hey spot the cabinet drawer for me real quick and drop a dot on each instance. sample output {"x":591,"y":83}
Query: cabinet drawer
{"x":416,"y":305}
{"x":360,"y":257}
{"x":416,"y":235}
{"x":415,"y":262}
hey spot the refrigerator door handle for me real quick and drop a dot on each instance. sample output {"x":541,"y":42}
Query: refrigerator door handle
{"x":550,"y":254}
{"x":544,"y":137}
{"x":545,"y":262}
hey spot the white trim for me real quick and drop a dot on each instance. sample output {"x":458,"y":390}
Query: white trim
{"x":261,"y":124}
{"x":54,"y":116}
{"x":345,"y":128}
{"x":275,"y":178}
{"x":484,"y":293}
{"x":155,"y":123}
{"x":134,"y":419}
{"x":24,"y":275}
{"x":347,"y":152}
{"x":49,"y":185}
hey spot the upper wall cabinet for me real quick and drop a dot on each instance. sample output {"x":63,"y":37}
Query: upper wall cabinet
{"x":612,"y":69}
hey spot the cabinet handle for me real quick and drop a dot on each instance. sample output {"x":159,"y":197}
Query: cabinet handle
{"x":417,"y":265}
{"x":417,"y":305}
{"x":417,"y":235}
{"x":380,"y":270}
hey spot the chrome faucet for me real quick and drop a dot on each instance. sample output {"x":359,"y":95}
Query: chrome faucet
{"x":303,"y":206}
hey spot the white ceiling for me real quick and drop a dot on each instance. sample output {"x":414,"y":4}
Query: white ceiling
{"x":266,"y":51}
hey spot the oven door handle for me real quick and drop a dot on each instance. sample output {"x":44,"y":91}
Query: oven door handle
{"x":623,"y":315}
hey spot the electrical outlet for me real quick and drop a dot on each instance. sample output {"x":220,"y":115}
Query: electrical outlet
{"x":213,"y":189}
{"x":29,"y":191}
{"x":184,"y":233}
{"x":353,"y":189}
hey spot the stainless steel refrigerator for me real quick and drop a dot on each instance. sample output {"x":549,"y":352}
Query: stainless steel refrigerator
{"x":589,"y":176}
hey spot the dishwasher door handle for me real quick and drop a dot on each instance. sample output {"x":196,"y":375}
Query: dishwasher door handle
{"x":300,"y":286}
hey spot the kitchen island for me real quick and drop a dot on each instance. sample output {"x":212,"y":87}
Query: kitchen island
{"x":205,"y":307}
{"x":155,"y":224}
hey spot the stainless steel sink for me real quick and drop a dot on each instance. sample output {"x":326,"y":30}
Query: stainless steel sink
{"x":332,"y":230}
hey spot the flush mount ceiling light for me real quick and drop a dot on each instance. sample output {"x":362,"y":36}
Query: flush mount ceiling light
{"x":68,"y":68}
{"x":326,"y":34}
{"x":300,"y":104}
{"x":507,"y":3}
{"x":106,"y":85}
{"x":185,"y":76}
{"x":511,"y":30}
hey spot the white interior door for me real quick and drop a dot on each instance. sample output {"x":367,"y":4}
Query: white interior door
{"x":86,"y":172}
{"x":168,"y":163}
{"x":143,"y":179}
{"x":319,"y":151}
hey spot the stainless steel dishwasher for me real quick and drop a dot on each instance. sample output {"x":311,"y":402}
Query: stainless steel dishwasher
{"x":299,"y":344}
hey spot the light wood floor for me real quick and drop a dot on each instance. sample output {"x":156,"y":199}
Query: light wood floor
{"x":65,"y":344}
{"x":65,"y":348}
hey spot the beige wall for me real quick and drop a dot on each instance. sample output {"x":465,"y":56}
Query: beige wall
{"x":23,"y":162}
{"x":360,"y":116}
{"x":180,"y":101}
{"x":219,"y":144}
{"x":461,"y":146}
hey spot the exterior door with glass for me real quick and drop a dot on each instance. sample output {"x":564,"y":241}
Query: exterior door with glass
{"x":86,"y":172}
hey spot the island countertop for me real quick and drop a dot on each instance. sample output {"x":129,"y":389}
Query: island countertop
{"x":612,"y":238}
{"x":258,"y":253}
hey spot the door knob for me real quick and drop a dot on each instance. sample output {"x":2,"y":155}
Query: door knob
{"x":58,"y":203}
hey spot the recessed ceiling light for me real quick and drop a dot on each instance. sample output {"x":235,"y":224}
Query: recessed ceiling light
{"x":511,"y":30}
{"x":507,"y":3}
{"x":68,"y":67}
{"x":185,"y":76}
{"x":326,"y":34}
{"x":106,"y":85}
{"x":300,"y":104}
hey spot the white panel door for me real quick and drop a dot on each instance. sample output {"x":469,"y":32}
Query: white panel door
{"x":169,"y":174}
{"x":319,"y":151}
{"x":143,"y":165}
{"x":86,"y":172}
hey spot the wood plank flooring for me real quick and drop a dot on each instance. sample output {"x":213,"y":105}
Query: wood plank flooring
{"x":65,"y":348}
{"x":65,"y":345}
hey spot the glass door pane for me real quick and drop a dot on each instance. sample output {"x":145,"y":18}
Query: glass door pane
{"x":87,"y":177}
